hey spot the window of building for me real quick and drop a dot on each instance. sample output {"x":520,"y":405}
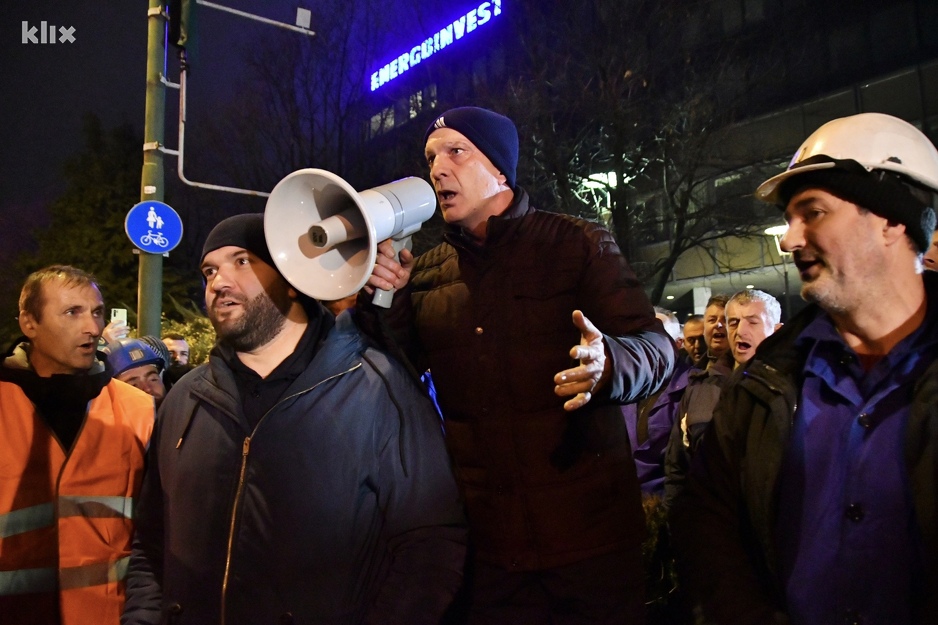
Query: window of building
{"x":401,"y":110}
{"x":822,"y":110}
{"x":381,"y":122}
{"x":423,"y":100}
{"x":416,"y":104}
{"x":899,"y":95}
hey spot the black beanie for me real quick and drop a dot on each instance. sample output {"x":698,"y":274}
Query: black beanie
{"x":495,"y":135}
{"x":879,"y":191}
{"x":244,"y":231}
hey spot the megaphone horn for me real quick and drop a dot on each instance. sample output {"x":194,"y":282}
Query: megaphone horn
{"x":323,"y":235}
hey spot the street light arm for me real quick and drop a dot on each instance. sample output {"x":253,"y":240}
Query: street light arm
{"x":181,"y":154}
{"x":257,"y":18}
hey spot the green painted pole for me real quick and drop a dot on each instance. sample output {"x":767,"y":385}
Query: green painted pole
{"x":150,"y":277}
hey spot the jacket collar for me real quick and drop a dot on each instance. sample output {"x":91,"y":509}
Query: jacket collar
{"x":59,"y":391}
{"x":17,"y":357}
{"x":338,"y":349}
{"x":783,"y":352}
{"x":500,"y":227}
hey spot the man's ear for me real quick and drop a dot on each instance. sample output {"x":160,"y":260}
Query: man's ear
{"x":893,"y":231}
{"x":27,"y":324}
{"x":777,"y":326}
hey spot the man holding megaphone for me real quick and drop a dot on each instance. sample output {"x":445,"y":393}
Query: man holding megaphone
{"x":541,"y":452}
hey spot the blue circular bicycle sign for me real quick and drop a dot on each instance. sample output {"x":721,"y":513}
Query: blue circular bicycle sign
{"x":153,"y":227}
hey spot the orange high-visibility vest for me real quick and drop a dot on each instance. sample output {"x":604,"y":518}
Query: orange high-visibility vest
{"x":66,"y":521}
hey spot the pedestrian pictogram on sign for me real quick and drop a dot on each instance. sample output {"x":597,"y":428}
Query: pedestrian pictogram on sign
{"x":153,"y":227}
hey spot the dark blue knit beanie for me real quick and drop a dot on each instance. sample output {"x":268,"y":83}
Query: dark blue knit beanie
{"x":495,"y":135}
{"x":244,"y":231}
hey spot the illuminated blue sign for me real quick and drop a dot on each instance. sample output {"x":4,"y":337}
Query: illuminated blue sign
{"x":153,"y":226}
{"x":479,"y":16}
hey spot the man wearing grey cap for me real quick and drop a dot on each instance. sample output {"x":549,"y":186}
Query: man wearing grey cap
{"x":534,"y":328}
{"x":812,"y":499}
{"x":299,"y":476}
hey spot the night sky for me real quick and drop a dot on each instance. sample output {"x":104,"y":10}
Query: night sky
{"x":46,"y":89}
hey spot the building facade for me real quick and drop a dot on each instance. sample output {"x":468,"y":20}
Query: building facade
{"x":783,"y":67}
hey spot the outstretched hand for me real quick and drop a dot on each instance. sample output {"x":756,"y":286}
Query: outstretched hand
{"x":592,"y":374}
{"x":391,"y":271}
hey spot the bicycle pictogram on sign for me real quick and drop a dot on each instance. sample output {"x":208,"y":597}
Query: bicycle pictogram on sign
{"x":154,"y":227}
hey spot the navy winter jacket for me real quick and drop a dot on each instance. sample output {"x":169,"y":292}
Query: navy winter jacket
{"x":339,"y":507}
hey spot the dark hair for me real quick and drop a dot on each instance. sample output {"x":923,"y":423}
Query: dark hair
{"x":888,"y":194}
{"x":174,"y":336}
{"x":31,"y":297}
{"x":720,"y":299}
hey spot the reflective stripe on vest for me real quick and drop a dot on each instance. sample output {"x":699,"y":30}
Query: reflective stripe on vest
{"x":24,"y":581}
{"x":26,"y":520}
{"x":97,"y":507}
{"x":36,"y":517}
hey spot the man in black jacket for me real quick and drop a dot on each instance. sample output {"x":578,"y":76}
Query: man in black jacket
{"x":534,"y":328}
{"x":298,"y":476}
{"x":812,"y":498}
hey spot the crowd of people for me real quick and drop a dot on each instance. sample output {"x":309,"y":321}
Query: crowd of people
{"x":480,"y":452}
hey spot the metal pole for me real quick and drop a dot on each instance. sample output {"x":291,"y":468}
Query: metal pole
{"x":257,"y":18}
{"x":787,"y":292}
{"x":150,"y":277}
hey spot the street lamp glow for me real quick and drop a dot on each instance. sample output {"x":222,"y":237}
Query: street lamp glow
{"x":777,"y":233}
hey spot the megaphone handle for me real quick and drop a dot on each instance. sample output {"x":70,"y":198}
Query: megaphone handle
{"x":381,"y":297}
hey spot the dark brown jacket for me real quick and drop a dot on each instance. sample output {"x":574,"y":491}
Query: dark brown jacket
{"x":542,"y":487}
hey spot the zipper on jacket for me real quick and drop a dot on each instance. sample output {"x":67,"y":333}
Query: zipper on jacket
{"x":245,"y":450}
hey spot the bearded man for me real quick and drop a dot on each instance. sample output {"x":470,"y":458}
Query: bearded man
{"x":298,"y":476}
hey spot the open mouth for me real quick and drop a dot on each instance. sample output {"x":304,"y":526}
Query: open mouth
{"x":446,"y":196}
{"x":805,"y":265}
{"x":743,"y":346}
{"x":224,"y":304}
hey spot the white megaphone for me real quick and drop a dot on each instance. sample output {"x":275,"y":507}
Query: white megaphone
{"x":323,"y":235}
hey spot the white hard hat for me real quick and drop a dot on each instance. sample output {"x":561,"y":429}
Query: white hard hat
{"x":874,"y":140}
